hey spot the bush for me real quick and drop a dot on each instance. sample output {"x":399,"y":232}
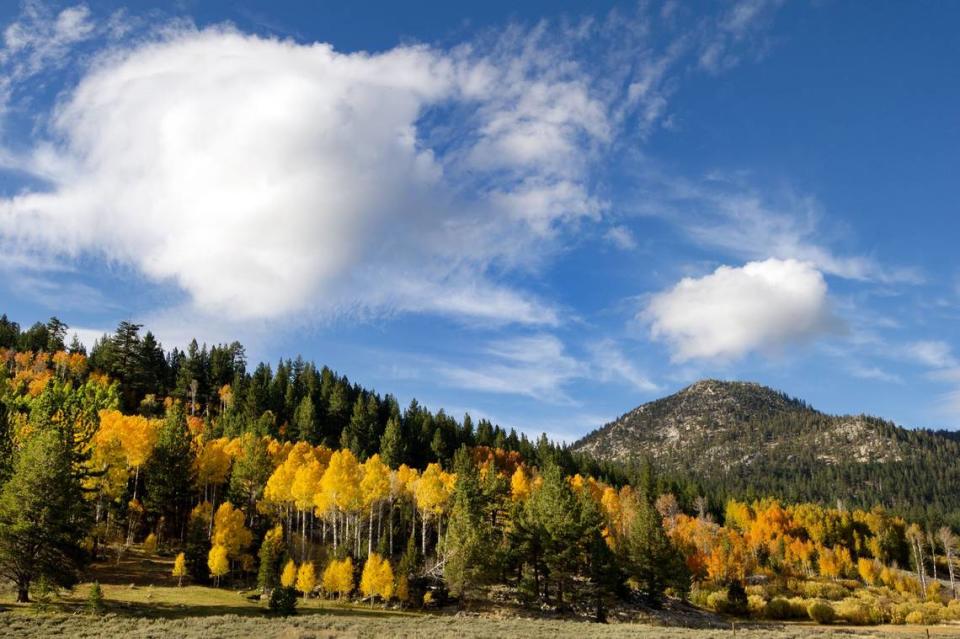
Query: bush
{"x":780,"y":609}
{"x":915,"y":618}
{"x":95,"y":603}
{"x":821,"y":612}
{"x":859,"y":613}
{"x":283,"y":601}
{"x":150,"y":544}
{"x":824,"y":590}
{"x":756,"y":604}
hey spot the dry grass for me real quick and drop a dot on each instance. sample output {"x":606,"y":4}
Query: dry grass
{"x":143,"y":601}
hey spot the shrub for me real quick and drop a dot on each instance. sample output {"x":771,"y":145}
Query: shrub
{"x":283,"y":601}
{"x":779,"y":608}
{"x":756,"y":604}
{"x":824,"y":590}
{"x":821,"y":612}
{"x":717,"y":601}
{"x":95,"y":603}
{"x":859,"y":613}
{"x":915,"y":618}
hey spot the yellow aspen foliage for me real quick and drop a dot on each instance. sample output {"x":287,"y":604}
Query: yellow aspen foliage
{"x":738,"y":516}
{"x":834,"y":562}
{"x":306,"y":578}
{"x":869,"y":570}
{"x":430,"y":491}
{"x":338,"y":577}
{"x":406,"y":479}
{"x":306,"y":484}
{"x":341,"y":482}
{"x":217,"y":562}
{"x":229,"y":530}
{"x":289,"y":575}
{"x":213,"y":462}
{"x":180,"y":568}
{"x":377,"y":578}
{"x":375,"y":483}
{"x":150,"y":544}
{"x":519,"y":485}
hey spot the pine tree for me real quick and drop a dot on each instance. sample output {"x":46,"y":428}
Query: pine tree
{"x":271,"y":551}
{"x":43,"y":515}
{"x":469,"y":534}
{"x":95,"y":603}
{"x":169,"y":473}
{"x":393,"y":450}
{"x":305,"y":422}
{"x":649,"y":556}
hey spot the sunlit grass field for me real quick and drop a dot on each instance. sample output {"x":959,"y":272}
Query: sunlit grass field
{"x":143,"y":601}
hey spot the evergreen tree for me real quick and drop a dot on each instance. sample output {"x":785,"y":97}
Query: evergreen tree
{"x":649,"y":556}
{"x":469,"y":533}
{"x":169,"y":473}
{"x":43,"y":515}
{"x":393,"y":450}
{"x":305,"y":422}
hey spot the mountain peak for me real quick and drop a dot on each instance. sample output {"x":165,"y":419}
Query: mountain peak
{"x":735,"y":423}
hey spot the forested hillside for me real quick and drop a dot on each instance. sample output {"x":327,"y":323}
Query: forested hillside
{"x":299,"y":484}
{"x":745,"y":440}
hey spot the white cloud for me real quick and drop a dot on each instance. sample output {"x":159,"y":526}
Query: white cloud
{"x":931,"y":353}
{"x":621,"y":237}
{"x":267,"y":177}
{"x":39,"y":38}
{"x":735,"y":310}
{"x":536,"y":366}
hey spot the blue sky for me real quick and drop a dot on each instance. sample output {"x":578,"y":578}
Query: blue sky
{"x":543,"y":214}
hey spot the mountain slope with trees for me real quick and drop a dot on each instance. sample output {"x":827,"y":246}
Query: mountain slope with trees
{"x":744,"y":439}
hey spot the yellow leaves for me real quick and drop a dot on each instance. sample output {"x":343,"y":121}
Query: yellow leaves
{"x":213,"y":462}
{"x":432,"y":490}
{"x":217,"y":561}
{"x":519,"y":485}
{"x":377,"y":578}
{"x":738,"y":516}
{"x":136,"y":435}
{"x":834,"y":562}
{"x":406,"y":479}
{"x":306,"y":578}
{"x":338,"y":577}
{"x":375,"y":484}
{"x":289,"y":575}
{"x":305,"y":483}
{"x":38,"y":383}
{"x":229,"y":530}
{"x":341,"y":482}
{"x":226,"y":395}
{"x":869,"y":570}
{"x":180,"y":567}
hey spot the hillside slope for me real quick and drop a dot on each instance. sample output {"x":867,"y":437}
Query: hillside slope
{"x":742,"y":437}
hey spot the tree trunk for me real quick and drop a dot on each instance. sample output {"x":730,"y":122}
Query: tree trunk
{"x":23,"y":593}
{"x":370,"y":532}
{"x":953,"y":585}
{"x":423,"y":530}
{"x":933,"y":552}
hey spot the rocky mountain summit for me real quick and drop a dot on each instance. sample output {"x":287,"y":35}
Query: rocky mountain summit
{"x":717,"y":425}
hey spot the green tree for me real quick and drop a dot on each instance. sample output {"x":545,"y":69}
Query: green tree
{"x":649,"y":556}
{"x":305,"y":421}
{"x":43,"y":516}
{"x":469,"y":544}
{"x":169,"y":473}
{"x":393,"y":448}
